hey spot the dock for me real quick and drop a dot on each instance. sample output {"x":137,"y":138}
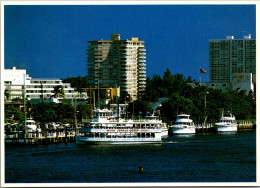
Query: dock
{"x":68,"y":135}
{"x":246,"y":125}
{"x":35,"y":138}
{"x":205,"y":128}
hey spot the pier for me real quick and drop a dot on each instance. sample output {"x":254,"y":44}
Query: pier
{"x":205,"y":128}
{"x":35,"y":138}
{"x":246,"y":125}
{"x":67,"y":135}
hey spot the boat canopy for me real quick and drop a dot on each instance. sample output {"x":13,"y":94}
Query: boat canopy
{"x":183,"y":115}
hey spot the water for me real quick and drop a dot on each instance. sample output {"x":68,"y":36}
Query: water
{"x":198,"y":158}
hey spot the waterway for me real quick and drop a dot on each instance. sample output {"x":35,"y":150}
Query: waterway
{"x":228,"y":157}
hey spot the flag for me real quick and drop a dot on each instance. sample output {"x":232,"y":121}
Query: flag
{"x":203,"y":71}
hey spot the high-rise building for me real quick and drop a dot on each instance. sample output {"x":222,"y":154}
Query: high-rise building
{"x":117,"y":62}
{"x":228,"y":57}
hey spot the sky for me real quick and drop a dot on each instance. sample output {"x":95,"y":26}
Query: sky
{"x":50,"y":41}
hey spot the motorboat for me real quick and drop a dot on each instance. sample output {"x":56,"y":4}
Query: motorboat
{"x":227,"y":123}
{"x":30,"y":125}
{"x":183,"y":125}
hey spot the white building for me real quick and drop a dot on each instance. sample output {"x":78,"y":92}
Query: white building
{"x":16,"y":81}
{"x":243,"y":81}
{"x":232,"y":63}
{"x":230,"y":56}
{"x":240,"y":81}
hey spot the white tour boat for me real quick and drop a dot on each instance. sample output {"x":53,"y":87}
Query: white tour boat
{"x":108,"y":129}
{"x":183,"y":125}
{"x":163,"y":126}
{"x":227,"y":123}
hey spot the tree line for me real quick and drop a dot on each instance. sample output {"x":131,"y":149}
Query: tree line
{"x":182,"y":97}
{"x":196,"y":100}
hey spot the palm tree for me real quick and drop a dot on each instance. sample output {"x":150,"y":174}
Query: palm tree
{"x":7,"y":94}
{"x":58,"y":92}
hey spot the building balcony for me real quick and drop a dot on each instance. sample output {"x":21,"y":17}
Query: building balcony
{"x":142,"y":64}
{"x":142,"y":61}
{"x":142,"y":49}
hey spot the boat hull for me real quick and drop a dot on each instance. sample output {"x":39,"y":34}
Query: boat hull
{"x":180,"y":130}
{"x":100,"y":141}
{"x":226,"y":128}
{"x":164,"y":132}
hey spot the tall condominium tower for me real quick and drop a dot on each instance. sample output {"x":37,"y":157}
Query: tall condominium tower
{"x":231,"y":56}
{"x":117,"y":62}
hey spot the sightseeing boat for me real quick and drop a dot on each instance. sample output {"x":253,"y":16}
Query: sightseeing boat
{"x":162,"y":126}
{"x":106,"y":128}
{"x":183,"y":125}
{"x":227,"y":123}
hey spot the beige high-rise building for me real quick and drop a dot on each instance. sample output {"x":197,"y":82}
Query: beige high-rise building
{"x":117,"y":62}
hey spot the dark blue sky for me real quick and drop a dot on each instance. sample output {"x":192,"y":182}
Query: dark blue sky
{"x":50,"y":41}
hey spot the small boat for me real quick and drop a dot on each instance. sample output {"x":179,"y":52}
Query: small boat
{"x":31,"y":128}
{"x":183,"y":125}
{"x":30,"y":125}
{"x":106,"y":128}
{"x":227,"y":123}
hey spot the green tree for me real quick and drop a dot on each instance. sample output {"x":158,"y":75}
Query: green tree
{"x":124,"y":98}
{"x":139,"y":107}
{"x":7,"y":94}
{"x":58,"y":92}
{"x":77,"y":82}
{"x":153,"y":90}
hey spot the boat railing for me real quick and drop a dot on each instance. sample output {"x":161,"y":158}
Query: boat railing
{"x":151,"y":126}
{"x":203,"y":125}
{"x":245,"y":123}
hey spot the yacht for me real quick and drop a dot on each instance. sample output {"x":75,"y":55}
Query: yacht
{"x":30,"y":125}
{"x":31,"y":128}
{"x":106,"y":128}
{"x":183,"y":125}
{"x":227,"y":123}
